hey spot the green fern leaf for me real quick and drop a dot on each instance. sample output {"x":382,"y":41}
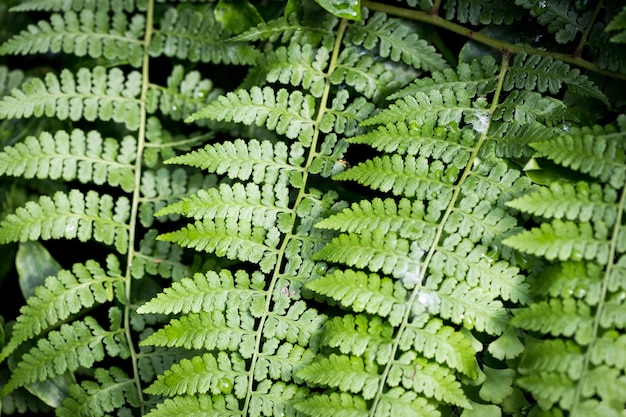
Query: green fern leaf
{"x":93,"y":33}
{"x":437,"y":107}
{"x":79,"y":344}
{"x":85,"y":156}
{"x":599,"y":154}
{"x":63,"y":295}
{"x":349,"y":372}
{"x":296,"y":65}
{"x":9,"y":79}
{"x":362,"y":292}
{"x":217,"y":405}
{"x":440,"y":342}
{"x":63,"y":5}
{"x":289,"y":114}
{"x":195,"y":35}
{"x":261,"y":207}
{"x":367,"y":75}
{"x":526,"y":107}
{"x":477,"y":78}
{"x":563,"y":240}
{"x":561,"y":17}
{"x":276,"y":399}
{"x":581,"y":201}
{"x":230,"y":330}
{"x":90,"y":94}
{"x":215,"y":374}
{"x":335,"y":404}
{"x":281,"y":361}
{"x":408,"y":176}
{"x":258,"y":161}
{"x":289,"y":28}
{"x":73,"y":215}
{"x":158,"y":258}
{"x":210,"y":291}
{"x":532,"y":72}
{"x":185,"y":93}
{"x":376,"y":251}
{"x":567,"y":318}
{"x":393,"y":39}
{"x":113,"y":390}
{"x":482,"y":12}
{"x":405,"y":217}
{"x":618,"y":23}
{"x":233,"y":239}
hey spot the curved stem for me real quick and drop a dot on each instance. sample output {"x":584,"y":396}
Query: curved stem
{"x":583,"y":40}
{"x":503,"y":46}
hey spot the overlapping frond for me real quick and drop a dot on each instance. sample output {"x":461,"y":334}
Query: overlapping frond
{"x":63,"y":295}
{"x":84,"y":156}
{"x":424,"y":260}
{"x":79,"y":344}
{"x":393,"y":39}
{"x":194,"y":34}
{"x":579,"y":302}
{"x":89,"y":94}
{"x":561,"y":17}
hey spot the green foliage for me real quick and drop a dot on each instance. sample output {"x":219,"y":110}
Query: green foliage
{"x":312,"y":208}
{"x":579,"y":304}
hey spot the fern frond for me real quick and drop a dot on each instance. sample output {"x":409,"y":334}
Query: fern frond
{"x":376,"y":251}
{"x":560,"y":16}
{"x":158,"y":258}
{"x":79,"y":344}
{"x":113,"y":390}
{"x":63,"y":5}
{"x":534,"y":72}
{"x":218,"y":405}
{"x":194,"y":34}
{"x":366,"y":75}
{"x":437,"y":107}
{"x":289,"y":114}
{"x":259,"y":161}
{"x":70,"y":216}
{"x":89,"y":94}
{"x":482,"y":12}
{"x":405,"y":217}
{"x":281,"y":361}
{"x":408,"y":176}
{"x":260,"y":206}
{"x":361,"y":292}
{"x":563,"y":240}
{"x":185,"y":93}
{"x":93,"y":33}
{"x":208,"y":292}
{"x":525,"y":107}
{"x":297,"y":65}
{"x":393,"y":39}
{"x":599,"y":154}
{"x":61,"y":296}
{"x":216,"y":374}
{"x":232,"y":239}
{"x":288,"y":29}
{"x":581,"y":201}
{"x":618,"y":23}
{"x":85,"y":156}
{"x":477,"y":77}
{"x":231,"y":330}
{"x":9,"y":79}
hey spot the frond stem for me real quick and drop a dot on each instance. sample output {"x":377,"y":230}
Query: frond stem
{"x":424,"y":267}
{"x":583,"y":39}
{"x":141,"y":141}
{"x":486,"y":40}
